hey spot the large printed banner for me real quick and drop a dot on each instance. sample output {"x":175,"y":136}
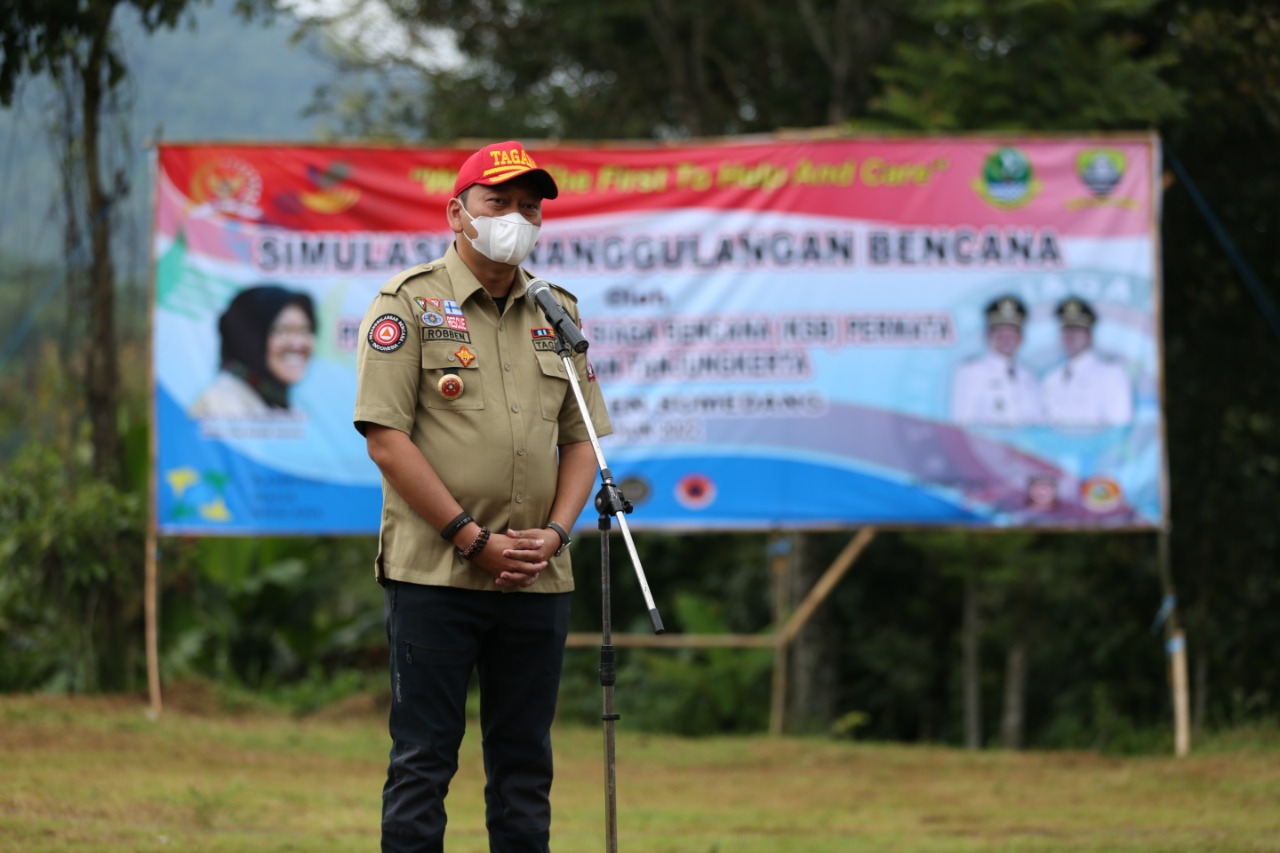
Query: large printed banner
{"x":792,"y":334}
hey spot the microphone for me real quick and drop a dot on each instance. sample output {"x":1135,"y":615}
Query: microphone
{"x":540,"y":290}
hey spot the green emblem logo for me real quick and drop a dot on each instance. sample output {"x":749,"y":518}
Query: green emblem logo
{"x":1007,"y":180}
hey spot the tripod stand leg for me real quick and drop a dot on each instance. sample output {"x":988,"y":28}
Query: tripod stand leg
{"x":608,"y":676}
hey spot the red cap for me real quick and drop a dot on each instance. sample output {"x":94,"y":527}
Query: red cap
{"x":500,"y":162}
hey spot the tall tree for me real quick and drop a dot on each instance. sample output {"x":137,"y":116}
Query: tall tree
{"x":74,"y":42}
{"x":1223,"y":350}
{"x":620,"y":70}
{"x":1029,"y":65}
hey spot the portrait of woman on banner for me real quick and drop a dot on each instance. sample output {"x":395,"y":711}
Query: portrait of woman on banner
{"x":267,"y":337}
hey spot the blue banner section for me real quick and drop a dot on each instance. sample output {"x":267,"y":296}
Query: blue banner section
{"x":208,"y":486}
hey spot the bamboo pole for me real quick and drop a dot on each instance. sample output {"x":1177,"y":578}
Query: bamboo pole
{"x":1181,"y":699}
{"x":780,"y":550}
{"x":151,"y":587}
{"x":580,"y":640}
{"x":1176,"y":647}
{"x":780,"y":641}
{"x":151,"y":614}
{"x":826,"y":584}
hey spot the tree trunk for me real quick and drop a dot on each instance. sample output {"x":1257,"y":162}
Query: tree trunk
{"x":813,"y":673}
{"x":1200,"y":690}
{"x":972,"y":630}
{"x":1014,"y":713}
{"x":102,"y":374}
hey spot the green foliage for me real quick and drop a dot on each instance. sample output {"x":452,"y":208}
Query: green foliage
{"x":70,"y":603}
{"x":1107,"y":729}
{"x":698,"y":691}
{"x":298,"y":617}
{"x":706,"y":584}
{"x":847,"y":725}
{"x":1028,"y":65}
{"x":1222,"y":357}
{"x":624,"y":70}
{"x":36,"y":37}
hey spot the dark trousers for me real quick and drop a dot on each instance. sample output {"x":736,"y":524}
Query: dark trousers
{"x":515,"y":644}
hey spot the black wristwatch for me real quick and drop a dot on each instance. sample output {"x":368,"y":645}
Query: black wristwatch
{"x":564,"y":537}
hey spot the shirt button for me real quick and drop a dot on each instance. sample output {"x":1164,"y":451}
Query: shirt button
{"x":506,"y":365}
{"x":516,"y":408}
{"x":519,"y":499}
{"x":519,"y":451}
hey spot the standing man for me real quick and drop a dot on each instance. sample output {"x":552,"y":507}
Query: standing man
{"x":992,"y":389}
{"x":1086,"y":390}
{"x":486,"y":463}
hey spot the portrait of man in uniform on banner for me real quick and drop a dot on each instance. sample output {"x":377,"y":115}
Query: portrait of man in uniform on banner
{"x":1088,"y":389}
{"x":995,"y":388}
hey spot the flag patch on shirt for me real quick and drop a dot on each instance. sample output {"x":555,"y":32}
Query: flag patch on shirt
{"x":451,"y":307}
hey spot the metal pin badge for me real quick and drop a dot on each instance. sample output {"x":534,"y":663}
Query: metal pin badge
{"x":450,"y":386}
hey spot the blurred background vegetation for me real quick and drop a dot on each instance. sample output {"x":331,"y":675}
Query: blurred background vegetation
{"x":1018,"y":639}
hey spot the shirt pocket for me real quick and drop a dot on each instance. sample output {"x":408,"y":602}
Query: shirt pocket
{"x":553,"y":385}
{"x":439,"y":362}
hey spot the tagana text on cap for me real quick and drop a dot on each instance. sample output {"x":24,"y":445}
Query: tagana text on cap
{"x":500,"y":162}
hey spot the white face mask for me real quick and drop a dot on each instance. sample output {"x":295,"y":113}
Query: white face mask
{"x":506,"y":239}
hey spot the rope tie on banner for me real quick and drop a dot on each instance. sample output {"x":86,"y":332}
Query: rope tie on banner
{"x":779,"y":547}
{"x":1162,"y":615}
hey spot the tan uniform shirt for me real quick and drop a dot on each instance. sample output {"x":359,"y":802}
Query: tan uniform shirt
{"x":487,"y":401}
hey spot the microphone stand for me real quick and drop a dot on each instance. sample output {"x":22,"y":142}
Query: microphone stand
{"x":610,"y":503}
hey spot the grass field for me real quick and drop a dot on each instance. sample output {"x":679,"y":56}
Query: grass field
{"x":94,"y":774}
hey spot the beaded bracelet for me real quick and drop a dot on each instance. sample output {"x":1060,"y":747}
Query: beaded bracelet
{"x":476,"y":546}
{"x":451,"y":529}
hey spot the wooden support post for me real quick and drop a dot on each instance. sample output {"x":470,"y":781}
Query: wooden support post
{"x":1181,"y":700}
{"x":786,"y":629}
{"x":780,"y":551}
{"x":583,"y":640}
{"x":151,"y":615}
{"x":843,"y":562}
{"x":1176,"y":647}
